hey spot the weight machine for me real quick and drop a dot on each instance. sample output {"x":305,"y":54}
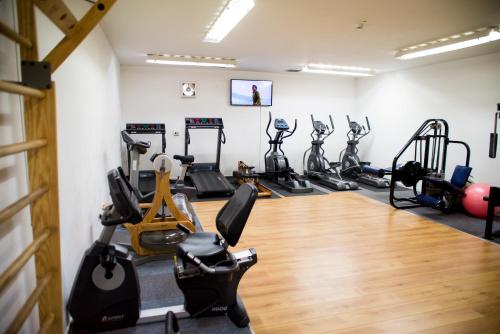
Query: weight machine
{"x":430,"y":144}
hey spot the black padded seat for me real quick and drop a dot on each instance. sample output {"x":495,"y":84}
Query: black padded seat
{"x":230,"y":221}
{"x":205,"y":245}
{"x":185,"y":159}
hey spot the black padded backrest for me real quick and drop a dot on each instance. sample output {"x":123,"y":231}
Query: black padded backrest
{"x":123,"y":197}
{"x":233,"y":216}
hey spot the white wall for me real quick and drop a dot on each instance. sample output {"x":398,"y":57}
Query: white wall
{"x":152,"y":94}
{"x":88,"y":118}
{"x":463,"y":92}
{"x":15,"y":235}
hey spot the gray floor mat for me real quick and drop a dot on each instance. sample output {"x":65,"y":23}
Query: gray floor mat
{"x":276,"y":188}
{"x":458,"y":220}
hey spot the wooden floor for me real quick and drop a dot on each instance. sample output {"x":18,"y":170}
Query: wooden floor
{"x":343,"y":263}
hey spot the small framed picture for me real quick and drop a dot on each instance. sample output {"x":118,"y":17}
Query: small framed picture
{"x":188,"y":89}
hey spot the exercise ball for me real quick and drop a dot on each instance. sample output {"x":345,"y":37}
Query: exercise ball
{"x":473,"y":201}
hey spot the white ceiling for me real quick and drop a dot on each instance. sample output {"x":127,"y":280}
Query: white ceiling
{"x":286,"y":34}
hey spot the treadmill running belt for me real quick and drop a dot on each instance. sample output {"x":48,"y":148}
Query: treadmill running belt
{"x":211,"y":182}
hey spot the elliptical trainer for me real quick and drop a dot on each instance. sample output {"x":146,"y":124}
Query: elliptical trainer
{"x":318,"y":167}
{"x":278,"y":169}
{"x":352,"y":167}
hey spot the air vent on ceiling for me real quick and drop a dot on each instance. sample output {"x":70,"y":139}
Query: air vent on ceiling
{"x":293,"y":70}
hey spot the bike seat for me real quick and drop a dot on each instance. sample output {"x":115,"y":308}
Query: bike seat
{"x":184,"y":159}
{"x":204,"y":245}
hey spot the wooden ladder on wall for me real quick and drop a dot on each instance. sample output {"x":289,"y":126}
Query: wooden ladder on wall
{"x":41,"y":147}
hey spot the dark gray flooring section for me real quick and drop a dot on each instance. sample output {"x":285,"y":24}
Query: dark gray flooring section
{"x":458,"y":220}
{"x":317,"y":183}
{"x":379,"y":190}
{"x":283,"y":192}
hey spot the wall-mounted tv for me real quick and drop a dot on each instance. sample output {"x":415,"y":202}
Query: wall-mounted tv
{"x":251,"y":92}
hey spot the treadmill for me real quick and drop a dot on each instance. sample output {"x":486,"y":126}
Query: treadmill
{"x":206,"y":177}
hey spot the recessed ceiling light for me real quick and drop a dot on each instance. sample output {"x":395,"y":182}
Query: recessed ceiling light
{"x":227,"y":19}
{"x":450,"y":43}
{"x":190,"y":61}
{"x":354,"y":71}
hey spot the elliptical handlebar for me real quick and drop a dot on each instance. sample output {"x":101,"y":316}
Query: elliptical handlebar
{"x":328,"y":130}
{"x":368,"y":124}
{"x":267,"y":128}
{"x":290,"y":132}
{"x":331,"y":122}
{"x":354,"y":127}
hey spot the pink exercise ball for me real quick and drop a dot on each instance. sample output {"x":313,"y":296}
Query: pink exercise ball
{"x":473,"y":201}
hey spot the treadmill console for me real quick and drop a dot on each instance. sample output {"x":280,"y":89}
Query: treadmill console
{"x":204,"y":123}
{"x":280,"y":124}
{"x":145,"y":128}
{"x":319,"y":127}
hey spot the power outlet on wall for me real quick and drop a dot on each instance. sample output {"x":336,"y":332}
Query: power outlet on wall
{"x":177,"y":133}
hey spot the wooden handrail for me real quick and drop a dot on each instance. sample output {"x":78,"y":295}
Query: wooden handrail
{"x":69,"y":43}
{"x":26,"y":309}
{"x":15,"y":88}
{"x":45,"y":327}
{"x":14,"y":36}
{"x":17,"y":206}
{"x":21,"y":147}
{"x":58,"y":13}
{"x":10,"y":273}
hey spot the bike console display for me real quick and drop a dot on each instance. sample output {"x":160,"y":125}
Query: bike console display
{"x":280,"y":124}
{"x":204,"y":123}
{"x":145,"y":128}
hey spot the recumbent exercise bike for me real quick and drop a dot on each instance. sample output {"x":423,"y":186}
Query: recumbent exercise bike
{"x":106,"y":292}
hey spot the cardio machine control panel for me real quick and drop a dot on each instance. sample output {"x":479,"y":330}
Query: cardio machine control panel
{"x":319,"y":127}
{"x":280,"y":124}
{"x":206,"y":123}
{"x":145,"y":128}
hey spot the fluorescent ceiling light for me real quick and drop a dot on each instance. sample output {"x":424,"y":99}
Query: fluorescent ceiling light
{"x":353,"y":71}
{"x":191,"y":61}
{"x":450,"y":43}
{"x":227,"y":19}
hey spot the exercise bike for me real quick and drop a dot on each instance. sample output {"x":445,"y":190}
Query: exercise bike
{"x":352,"y":167}
{"x":106,"y":292}
{"x":278,"y":169}
{"x":142,"y":180}
{"x":318,"y":167}
{"x":134,"y":151}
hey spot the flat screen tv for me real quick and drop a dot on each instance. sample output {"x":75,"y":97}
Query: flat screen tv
{"x":251,"y":93}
